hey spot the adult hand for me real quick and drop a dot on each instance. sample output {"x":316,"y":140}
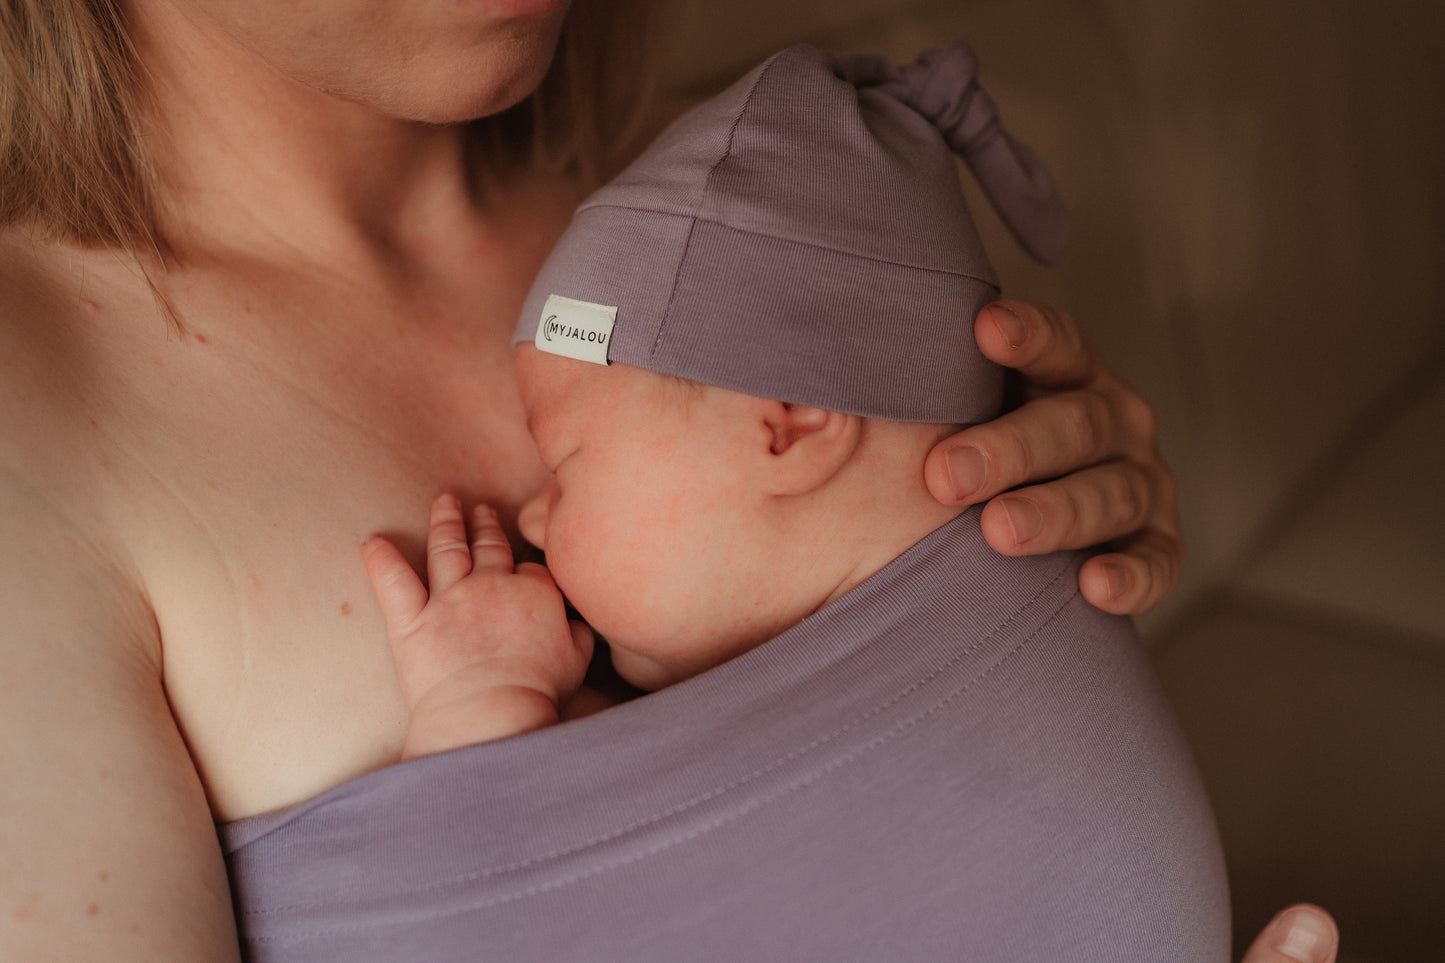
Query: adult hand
{"x":1083,"y":444}
{"x":1299,"y":934}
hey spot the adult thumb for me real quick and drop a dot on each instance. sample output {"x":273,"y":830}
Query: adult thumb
{"x":1298,"y":934}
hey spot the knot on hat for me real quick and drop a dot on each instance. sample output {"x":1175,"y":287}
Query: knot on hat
{"x":942,"y":86}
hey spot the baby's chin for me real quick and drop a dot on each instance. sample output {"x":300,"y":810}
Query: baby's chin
{"x":662,"y":664}
{"x":645,"y":672}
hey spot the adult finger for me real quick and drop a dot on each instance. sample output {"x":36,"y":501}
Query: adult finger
{"x":1089,"y":507}
{"x":1042,"y":343}
{"x":1134,"y":580}
{"x":448,"y":557}
{"x":1298,"y":934}
{"x":399,"y":593}
{"x":490,"y":549}
{"x":1043,"y":439}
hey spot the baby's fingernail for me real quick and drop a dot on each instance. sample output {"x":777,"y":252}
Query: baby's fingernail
{"x":1301,"y":934}
{"x":967,"y":470}
{"x":1024,"y":518}
{"x":1009,"y":325}
{"x":1117,"y":580}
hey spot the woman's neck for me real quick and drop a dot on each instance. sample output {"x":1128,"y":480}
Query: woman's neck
{"x":251,"y":160}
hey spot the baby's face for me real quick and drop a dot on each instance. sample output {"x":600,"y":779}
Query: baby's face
{"x":649,"y":522}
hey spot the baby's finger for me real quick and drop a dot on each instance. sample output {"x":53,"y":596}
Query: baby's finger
{"x":448,"y":558}
{"x":1042,"y":343}
{"x":491,"y":551}
{"x":399,"y":592}
{"x":538,"y":572}
{"x":583,"y":642}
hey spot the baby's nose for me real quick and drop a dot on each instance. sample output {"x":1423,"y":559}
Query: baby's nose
{"x":532,"y":519}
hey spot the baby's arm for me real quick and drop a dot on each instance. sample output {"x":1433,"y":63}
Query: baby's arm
{"x":490,"y":653}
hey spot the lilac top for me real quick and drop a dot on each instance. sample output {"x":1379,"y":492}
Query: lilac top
{"x":959,"y":759}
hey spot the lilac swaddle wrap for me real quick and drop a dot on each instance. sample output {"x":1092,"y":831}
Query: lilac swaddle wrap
{"x":960,"y":759}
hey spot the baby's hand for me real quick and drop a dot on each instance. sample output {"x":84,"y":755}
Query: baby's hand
{"x":490,"y":654}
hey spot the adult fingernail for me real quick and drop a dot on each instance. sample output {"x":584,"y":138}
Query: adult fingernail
{"x":967,"y":470}
{"x":1009,"y":325}
{"x":1301,"y":934}
{"x":1116,"y":579}
{"x":1024,"y":518}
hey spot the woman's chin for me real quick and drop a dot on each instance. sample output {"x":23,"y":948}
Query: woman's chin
{"x":518,"y":8}
{"x":466,"y":88}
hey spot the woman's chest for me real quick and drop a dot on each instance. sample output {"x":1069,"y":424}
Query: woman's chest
{"x":243,"y":491}
{"x":232,"y":470}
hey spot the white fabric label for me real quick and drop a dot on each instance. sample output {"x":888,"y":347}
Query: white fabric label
{"x":576,"y":329}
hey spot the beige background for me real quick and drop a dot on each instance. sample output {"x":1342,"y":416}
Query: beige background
{"x":1259,"y":228}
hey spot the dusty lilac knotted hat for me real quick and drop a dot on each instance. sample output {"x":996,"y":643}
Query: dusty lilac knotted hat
{"x":803,"y":236}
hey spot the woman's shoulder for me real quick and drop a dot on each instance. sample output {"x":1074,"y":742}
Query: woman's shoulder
{"x":55,"y":373}
{"x":36,"y":352}
{"x":51,"y":335}
{"x":85,"y":710}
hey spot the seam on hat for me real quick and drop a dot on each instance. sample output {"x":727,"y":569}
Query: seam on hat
{"x":702,"y":197}
{"x":695,"y":218}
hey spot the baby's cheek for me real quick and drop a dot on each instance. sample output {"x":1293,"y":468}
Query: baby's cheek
{"x":615,"y":582}
{"x":584,"y":554}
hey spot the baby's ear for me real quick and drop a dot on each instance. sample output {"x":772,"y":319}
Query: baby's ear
{"x":809,"y":445}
